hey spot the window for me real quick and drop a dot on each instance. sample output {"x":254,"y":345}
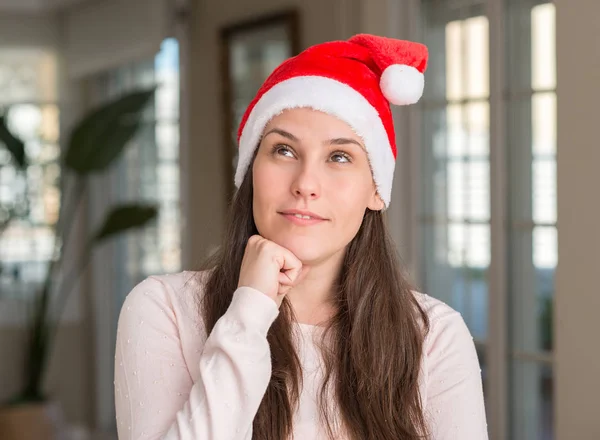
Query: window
{"x":455,"y":219}
{"x":531,"y":147}
{"x":149,"y":168}
{"x":148,"y":172}
{"x":457,"y":225}
{"x":28,"y":98}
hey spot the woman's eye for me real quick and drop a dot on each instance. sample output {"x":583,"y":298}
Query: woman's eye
{"x":340,"y":157}
{"x":283,"y":150}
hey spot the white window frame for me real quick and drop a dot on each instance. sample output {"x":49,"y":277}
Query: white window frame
{"x":405,"y":207}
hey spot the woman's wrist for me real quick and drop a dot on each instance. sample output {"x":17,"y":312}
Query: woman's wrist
{"x":253,"y":309}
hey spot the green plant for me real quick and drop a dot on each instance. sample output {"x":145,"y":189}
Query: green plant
{"x":94,"y":145}
{"x":16,"y":148}
{"x":546,"y":322}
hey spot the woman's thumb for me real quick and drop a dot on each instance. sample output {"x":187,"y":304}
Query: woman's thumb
{"x":292,"y":277}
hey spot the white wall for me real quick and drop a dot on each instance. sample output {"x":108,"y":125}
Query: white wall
{"x":36,"y":6}
{"x":18,"y":30}
{"x":578,"y":283}
{"x":107,"y":34}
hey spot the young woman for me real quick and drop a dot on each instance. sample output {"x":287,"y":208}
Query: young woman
{"x":302,"y":325}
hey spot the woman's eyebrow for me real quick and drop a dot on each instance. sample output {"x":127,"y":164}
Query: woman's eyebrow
{"x":342,"y":141}
{"x":334,"y":141}
{"x":283,"y":133}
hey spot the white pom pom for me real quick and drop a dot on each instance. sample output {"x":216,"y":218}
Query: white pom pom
{"x":402,"y":84}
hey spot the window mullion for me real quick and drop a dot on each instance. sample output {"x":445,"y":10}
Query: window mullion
{"x":497,"y":347}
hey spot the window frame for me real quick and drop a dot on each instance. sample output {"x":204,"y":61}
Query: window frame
{"x":405,"y":217}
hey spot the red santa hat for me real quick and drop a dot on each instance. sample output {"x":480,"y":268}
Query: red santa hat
{"x":354,"y":80}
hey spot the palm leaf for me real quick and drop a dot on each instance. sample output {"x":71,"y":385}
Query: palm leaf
{"x":125,"y":217}
{"x":14,"y":145}
{"x":100,"y":137}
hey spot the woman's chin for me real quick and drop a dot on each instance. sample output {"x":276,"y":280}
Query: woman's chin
{"x":306,"y":249}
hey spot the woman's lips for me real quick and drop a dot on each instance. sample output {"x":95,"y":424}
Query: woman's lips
{"x":301,"y":220}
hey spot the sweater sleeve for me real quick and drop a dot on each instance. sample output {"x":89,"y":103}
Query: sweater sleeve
{"x":455,"y":403}
{"x":155,"y":396}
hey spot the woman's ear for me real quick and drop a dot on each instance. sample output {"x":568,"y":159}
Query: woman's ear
{"x":376,"y":203}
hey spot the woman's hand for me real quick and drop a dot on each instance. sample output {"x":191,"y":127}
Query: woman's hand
{"x":270,"y":268}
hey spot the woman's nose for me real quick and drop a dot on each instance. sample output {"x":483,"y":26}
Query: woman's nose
{"x":307,"y":182}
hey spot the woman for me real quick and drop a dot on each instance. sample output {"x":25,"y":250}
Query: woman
{"x":302,"y":325}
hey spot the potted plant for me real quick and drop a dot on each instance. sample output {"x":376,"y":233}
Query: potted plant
{"x":94,"y":145}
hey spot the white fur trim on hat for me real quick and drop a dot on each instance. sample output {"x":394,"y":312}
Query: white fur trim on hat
{"x":331,"y":97}
{"x":402,"y":84}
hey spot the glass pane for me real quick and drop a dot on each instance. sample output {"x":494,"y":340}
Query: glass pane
{"x":456,"y":190}
{"x":543,"y":47}
{"x":545,"y":258}
{"x":468,"y":180}
{"x":442,"y":278}
{"x":523,"y":303}
{"x":545,"y":299}
{"x":533,"y":262}
{"x":478,"y":123}
{"x":532,"y":399}
{"x":434,"y":162}
{"x":457,"y":236}
{"x":24,"y":252}
{"x":478,"y":194}
{"x":476,"y":34}
{"x":478,"y":246}
{"x":544,"y":191}
{"x":168,"y":181}
{"x":457,"y":259}
{"x":461,"y":264}
{"x":25,"y":121}
{"x":167,"y":75}
{"x":454,"y":61}
{"x":167,"y":139}
{"x":467,"y":59}
{"x":455,"y":126}
{"x":543,"y":112}
{"x":478,"y":260}
{"x":30,"y":196}
{"x":28,"y":75}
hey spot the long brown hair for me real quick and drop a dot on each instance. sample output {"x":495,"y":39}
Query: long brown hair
{"x":372,"y":360}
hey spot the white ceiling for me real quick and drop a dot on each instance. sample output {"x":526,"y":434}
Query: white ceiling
{"x":33,"y":6}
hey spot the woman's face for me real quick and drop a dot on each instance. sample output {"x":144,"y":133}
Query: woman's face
{"x":311,"y":163}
